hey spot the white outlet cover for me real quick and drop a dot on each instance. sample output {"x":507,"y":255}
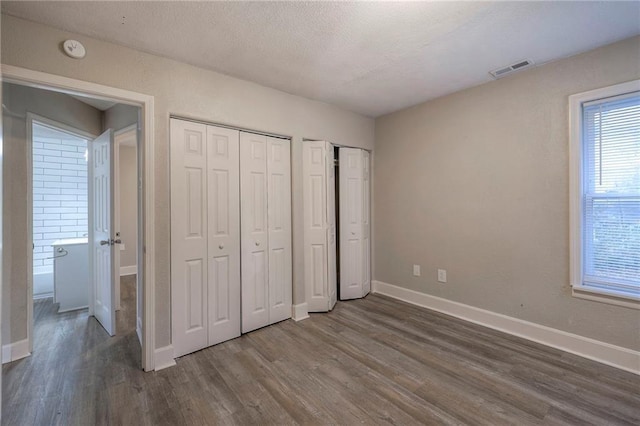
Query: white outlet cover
{"x":416,"y":270}
{"x":442,"y":275}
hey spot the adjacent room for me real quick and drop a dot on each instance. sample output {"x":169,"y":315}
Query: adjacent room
{"x":320,"y":213}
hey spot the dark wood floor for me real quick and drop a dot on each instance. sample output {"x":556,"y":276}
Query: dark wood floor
{"x":371,"y":361}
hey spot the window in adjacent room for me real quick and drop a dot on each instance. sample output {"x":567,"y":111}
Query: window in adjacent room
{"x":605,"y":194}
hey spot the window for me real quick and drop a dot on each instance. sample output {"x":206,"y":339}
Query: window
{"x":605,"y":194}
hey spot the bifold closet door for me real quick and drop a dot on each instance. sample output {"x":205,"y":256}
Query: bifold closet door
{"x":319,"y":225}
{"x":265,"y":192}
{"x":355,"y":250}
{"x":205,"y":235}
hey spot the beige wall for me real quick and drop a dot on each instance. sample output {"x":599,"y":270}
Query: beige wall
{"x":128,"y":204}
{"x":120,"y":116}
{"x":189,"y":91}
{"x":477,"y":183}
{"x":55,"y":106}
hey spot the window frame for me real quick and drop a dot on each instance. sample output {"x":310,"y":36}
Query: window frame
{"x":576,"y":182}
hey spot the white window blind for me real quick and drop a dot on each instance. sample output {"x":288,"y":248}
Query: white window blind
{"x":611,"y":193}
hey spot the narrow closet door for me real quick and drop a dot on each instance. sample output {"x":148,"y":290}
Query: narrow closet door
{"x":331,"y":227}
{"x":279,"y":225}
{"x":366,"y":223}
{"x":223,"y":218}
{"x":188,"y":236}
{"x":254,"y":232}
{"x":315,"y":157}
{"x":351,"y":223}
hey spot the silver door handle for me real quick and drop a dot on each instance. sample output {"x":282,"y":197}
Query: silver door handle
{"x":257,"y":243}
{"x":118,"y":241}
{"x":221,"y":246}
{"x":104,"y":242}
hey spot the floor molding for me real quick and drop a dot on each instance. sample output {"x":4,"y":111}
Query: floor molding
{"x":164,"y":358}
{"x":15,"y":351}
{"x":615,"y":356}
{"x":300,"y":311}
{"x":128,"y":270}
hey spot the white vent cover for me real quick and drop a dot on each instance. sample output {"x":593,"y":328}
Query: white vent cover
{"x":516,"y":66}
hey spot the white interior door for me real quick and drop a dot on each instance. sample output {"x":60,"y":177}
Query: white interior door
{"x":366,"y":222}
{"x":352,"y":223}
{"x":279,"y":225}
{"x":315,"y":157}
{"x":223,"y":217}
{"x":332,"y":279}
{"x":101,"y":242}
{"x":254,"y":232}
{"x":189,"y":272}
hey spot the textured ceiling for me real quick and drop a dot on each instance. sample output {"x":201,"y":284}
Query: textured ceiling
{"x":368,"y":57}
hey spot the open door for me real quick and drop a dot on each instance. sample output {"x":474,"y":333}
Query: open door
{"x":331,"y":227}
{"x":354,"y":208}
{"x":100,"y":242}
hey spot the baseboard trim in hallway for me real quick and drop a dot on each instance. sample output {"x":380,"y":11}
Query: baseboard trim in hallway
{"x":15,"y":351}
{"x":605,"y":353}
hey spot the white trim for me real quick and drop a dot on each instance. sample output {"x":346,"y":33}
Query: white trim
{"x":128,"y":270}
{"x":300,"y":311}
{"x":576,"y":190}
{"x":15,"y":351}
{"x":43,"y":296}
{"x":164,"y":358}
{"x":606,"y":296}
{"x":605,"y":353}
{"x":146,"y":234}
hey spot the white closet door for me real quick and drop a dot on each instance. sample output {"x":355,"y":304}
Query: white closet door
{"x":223,"y":219}
{"x":254,"y":232}
{"x":279,"y":225}
{"x":188,"y":236}
{"x":352,"y":224}
{"x":315,"y":157}
{"x":366,"y":223}
{"x":332,"y":280}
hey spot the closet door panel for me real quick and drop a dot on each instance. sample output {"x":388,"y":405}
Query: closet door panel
{"x":223,"y":207}
{"x":366,"y":223}
{"x":188,"y":236}
{"x":315,"y":220}
{"x":332,"y":280}
{"x":279,"y":225}
{"x":254,"y":232}
{"x":351,"y":202}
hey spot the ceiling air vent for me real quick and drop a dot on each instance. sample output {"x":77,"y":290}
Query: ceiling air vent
{"x":520,"y":65}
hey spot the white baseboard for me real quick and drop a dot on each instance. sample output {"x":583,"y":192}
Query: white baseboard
{"x":42,"y":296}
{"x":300,"y":311}
{"x":615,"y":356}
{"x":164,"y":358}
{"x":128,"y":270}
{"x":15,"y":351}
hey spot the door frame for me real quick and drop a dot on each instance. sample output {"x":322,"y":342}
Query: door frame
{"x":32,"y":118}
{"x":146,"y":232}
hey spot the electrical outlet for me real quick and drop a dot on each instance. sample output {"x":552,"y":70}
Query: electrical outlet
{"x":416,"y":270}
{"x":442,"y":275}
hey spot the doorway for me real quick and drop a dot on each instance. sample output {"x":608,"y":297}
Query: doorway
{"x":144,"y":184}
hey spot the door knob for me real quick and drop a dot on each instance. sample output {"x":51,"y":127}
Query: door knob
{"x":104,"y":242}
{"x":221,"y":246}
{"x":118,"y":241}
{"x":257,"y":243}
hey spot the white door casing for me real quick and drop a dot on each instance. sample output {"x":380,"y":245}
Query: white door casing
{"x":254,"y":232}
{"x":100,"y":215}
{"x":223,"y":218}
{"x":279,"y":226}
{"x":354,"y":207}
{"x":188,"y":236}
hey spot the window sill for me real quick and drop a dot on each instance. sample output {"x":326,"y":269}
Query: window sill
{"x":604,"y":296}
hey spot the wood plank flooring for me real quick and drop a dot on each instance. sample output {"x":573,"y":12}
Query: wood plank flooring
{"x":370,"y":361}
